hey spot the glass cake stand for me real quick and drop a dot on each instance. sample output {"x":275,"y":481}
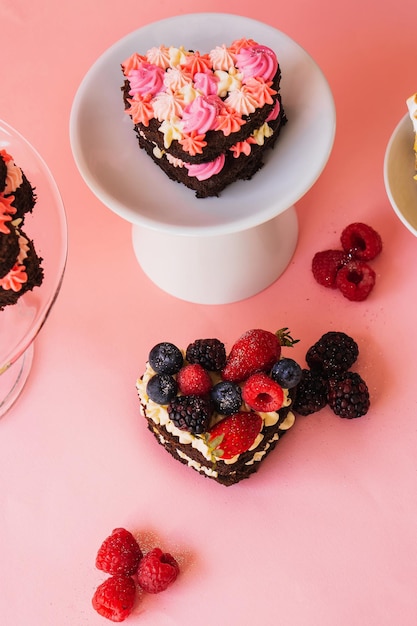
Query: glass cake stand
{"x":212,"y":250}
{"x":47,"y":227}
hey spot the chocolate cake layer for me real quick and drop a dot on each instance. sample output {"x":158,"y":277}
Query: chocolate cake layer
{"x":240,"y":168}
{"x":220,"y":471}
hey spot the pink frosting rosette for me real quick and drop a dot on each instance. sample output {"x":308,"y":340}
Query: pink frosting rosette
{"x":206,"y":83}
{"x":203,"y":171}
{"x":147,"y":79}
{"x":201,"y":114}
{"x":259,"y":61}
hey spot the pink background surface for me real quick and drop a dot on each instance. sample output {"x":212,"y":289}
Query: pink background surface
{"x":325,"y":533}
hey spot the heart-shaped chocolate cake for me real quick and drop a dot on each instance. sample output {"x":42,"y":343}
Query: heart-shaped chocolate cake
{"x":205,"y":119}
{"x":220,"y":414}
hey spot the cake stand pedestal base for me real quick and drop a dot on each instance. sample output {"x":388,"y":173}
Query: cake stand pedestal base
{"x":13,"y":379}
{"x":217,"y":269}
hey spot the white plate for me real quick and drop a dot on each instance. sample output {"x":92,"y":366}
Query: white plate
{"x":127,"y":181}
{"x":399,"y":169}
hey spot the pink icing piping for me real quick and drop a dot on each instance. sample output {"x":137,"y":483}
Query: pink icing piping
{"x":203,"y":171}
{"x":258,"y":65}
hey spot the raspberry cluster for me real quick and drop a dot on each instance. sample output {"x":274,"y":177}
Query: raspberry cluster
{"x":329,"y":380}
{"x":348,"y":269}
{"x":122,"y":558}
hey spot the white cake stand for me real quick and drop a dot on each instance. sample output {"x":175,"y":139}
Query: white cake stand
{"x":212,"y":250}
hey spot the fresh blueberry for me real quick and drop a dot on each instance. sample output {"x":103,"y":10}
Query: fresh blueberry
{"x":162,"y":388}
{"x":286,"y":373}
{"x":165,"y":358}
{"x":226,"y":397}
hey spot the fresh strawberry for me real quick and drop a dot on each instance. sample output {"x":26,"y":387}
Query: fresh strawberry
{"x":119,"y":553}
{"x":234,"y":434}
{"x":356,"y":280}
{"x":115,"y":598}
{"x":361,"y":241}
{"x":255,"y":351}
{"x":193,"y":379}
{"x":262,"y":393}
{"x":157,"y":570}
{"x":325,"y":266}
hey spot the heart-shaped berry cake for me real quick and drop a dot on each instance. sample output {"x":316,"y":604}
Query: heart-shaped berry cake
{"x":220,"y":414}
{"x":205,"y":119}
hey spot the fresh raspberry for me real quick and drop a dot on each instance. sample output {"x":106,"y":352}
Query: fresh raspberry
{"x":261,"y":393}
{"x":157,"y":570}
{"x":361,"y":241}
{"x":194,"y":379}
{"x":119,"y":553}
{"x":115,"y":598}
{"x":356,"y":280}
{"x":325,"y":266}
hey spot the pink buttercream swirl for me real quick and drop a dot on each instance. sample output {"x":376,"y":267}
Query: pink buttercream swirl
{"x":237,"y":45}
{"x":196,"y":62}
{"x":14,"y":177}
{"x":275,"y":112}
{"x":261,"y":90}
{"x":175,"y":79}
{"x":229,"y":121}
{"x":141,"y":109}
{"x":222,"y":58}
{"x":206,"y":83}
{"x":132,"y":63}
{"x":259,"y":61}
{"x":201,"y":114}
{"x":203,"y":171}
{"x":159,"y":55}
{"x":168,"y":106}
{"x":14,"y":279}
{"x":146,"y":79}
{"x":6,"y":211}
{"x":242,"y":147}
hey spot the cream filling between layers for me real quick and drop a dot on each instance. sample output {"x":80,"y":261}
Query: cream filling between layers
{"x":159,"y":415}
{"x":257,"y":137}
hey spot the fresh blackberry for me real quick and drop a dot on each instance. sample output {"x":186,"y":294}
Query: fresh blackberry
{"x":227,"y":397}
{"x":348,"y":395}
{"x":166,"y":358}
{"x":311,"y":395}
{"x":333,"y":353}
{"x":191,"y":413}
{"x":162,"y":388}
{"x":210,"y":353}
